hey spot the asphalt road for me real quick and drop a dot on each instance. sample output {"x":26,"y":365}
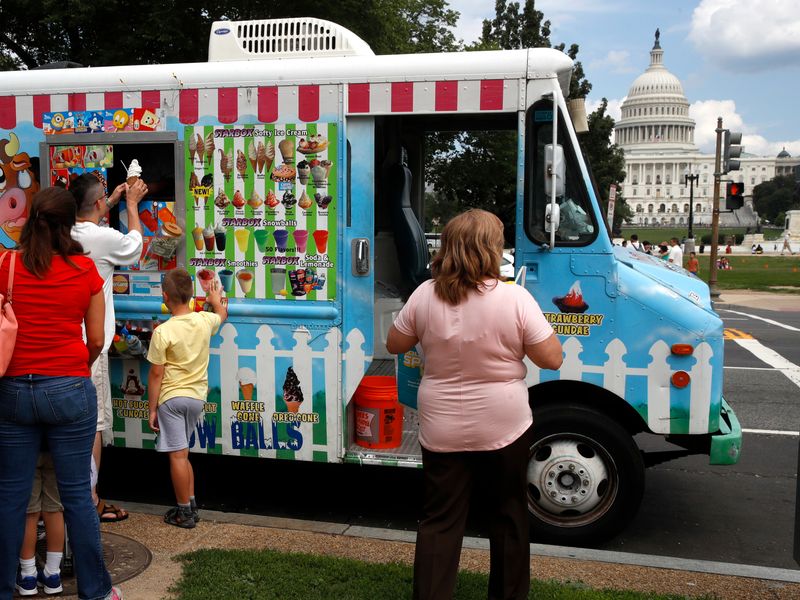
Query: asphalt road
{"x":740,"y":514}
{"x":745,"y":513}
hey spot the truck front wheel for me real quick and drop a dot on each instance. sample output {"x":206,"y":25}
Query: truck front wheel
{"x":585,"y":476}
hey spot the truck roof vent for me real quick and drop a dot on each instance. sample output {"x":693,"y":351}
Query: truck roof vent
{"x":282,"y":38}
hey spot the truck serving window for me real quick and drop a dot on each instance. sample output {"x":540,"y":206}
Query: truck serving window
{"x":577,"y":225}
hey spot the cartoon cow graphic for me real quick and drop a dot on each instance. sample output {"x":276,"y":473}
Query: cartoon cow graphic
{"x":18,"y":184}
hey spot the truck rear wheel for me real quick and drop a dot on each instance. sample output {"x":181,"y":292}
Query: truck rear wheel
{"x":585,"y":476}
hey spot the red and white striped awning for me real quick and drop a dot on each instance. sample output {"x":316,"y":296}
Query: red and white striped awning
{"x":269,"y":104}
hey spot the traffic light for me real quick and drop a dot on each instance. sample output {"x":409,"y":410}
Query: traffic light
{"x":734,"y":195}
{"x":731,"y":150}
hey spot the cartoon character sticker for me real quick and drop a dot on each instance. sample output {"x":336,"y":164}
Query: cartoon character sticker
{"x":18,"y":184}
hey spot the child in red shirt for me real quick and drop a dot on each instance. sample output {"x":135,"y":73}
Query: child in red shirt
{"x":693,"y":265}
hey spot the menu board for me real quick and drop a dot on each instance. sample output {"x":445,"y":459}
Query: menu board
{"x":261,"y":209}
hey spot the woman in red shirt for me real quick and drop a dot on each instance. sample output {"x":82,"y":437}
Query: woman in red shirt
{"x":46,"y":393}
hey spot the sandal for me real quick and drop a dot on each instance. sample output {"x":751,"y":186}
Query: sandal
{"x":108,"y":513}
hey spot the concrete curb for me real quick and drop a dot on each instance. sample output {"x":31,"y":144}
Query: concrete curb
{"x":585,"y":554}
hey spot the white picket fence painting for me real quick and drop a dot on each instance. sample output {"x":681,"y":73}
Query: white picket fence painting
{"x":614,"y":372}
{"x":658,"y":372}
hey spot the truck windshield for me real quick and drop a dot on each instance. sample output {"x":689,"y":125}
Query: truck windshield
{"x":578,"y":224}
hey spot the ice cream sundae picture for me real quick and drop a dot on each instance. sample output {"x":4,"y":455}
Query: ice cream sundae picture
{"x":573,"y":301}
{"x":238,"y":199}
{"x":289,"y":199}
{"x":323,"y":201}
{"x":221,"y":201}
{"x":312,"y":144}
{"x":292,"y":394}
{"x":283,"y":174}
{"x":303,"y":172}
{"x":272,"y":200}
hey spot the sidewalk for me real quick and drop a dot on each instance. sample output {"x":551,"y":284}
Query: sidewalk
{"x":596,"y":569}
{"x":732,"y":299}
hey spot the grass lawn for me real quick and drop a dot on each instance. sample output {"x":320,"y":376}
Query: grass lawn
{"x":763,"y":273}
{"x":267,"y":575}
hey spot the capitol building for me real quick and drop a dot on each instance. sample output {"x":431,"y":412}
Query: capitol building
{"x":657,"y":135}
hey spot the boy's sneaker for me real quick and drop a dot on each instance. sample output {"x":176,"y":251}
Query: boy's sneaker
{"x":115,"y":594}
{"x":51,"y":584}
{"x":180,"y":517}
{"x":26,"y":586}
{"x":196,"y":515}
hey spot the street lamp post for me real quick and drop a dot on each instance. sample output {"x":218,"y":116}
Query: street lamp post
{"x":691,"y":178}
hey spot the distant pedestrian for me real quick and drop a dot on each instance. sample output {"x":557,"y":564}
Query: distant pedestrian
{"x":693,"y":265}
{"x":675,"y":252}
{"x":787,"y":243}
{"x":178,"y":383}
{"x":635,"y":243}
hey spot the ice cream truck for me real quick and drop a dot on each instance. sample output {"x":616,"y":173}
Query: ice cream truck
{"x":290,"y":168}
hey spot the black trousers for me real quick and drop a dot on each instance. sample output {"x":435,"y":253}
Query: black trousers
{"x":449,"y":478}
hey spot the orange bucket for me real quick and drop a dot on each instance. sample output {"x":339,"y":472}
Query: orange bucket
{"x":378,"y":414}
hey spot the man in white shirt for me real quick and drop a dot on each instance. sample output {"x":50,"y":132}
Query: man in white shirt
{"x":635,"y":243}
{"x":787,"y":243}
{"x":108,"y":248}
{"x":675,"y":252}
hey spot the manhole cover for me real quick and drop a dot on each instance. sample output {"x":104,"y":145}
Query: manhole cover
{"x":125,"y":558}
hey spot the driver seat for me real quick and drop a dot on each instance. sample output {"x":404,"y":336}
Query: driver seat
{"x":409,"y":238}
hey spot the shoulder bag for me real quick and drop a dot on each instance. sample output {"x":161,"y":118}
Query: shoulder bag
{"x":8,"y":321}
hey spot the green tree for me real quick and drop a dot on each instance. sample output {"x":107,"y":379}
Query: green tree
{"x":94,"y":33}
{"x":773,"y":198}
{"x":606,"y":161}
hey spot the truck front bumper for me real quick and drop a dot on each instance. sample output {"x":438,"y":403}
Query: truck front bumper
{"x":726,"y":446}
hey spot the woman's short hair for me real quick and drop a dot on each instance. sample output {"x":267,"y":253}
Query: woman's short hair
{"x":178,"y":285}
{"x":48,"y":230}
{"x":470,"y":252}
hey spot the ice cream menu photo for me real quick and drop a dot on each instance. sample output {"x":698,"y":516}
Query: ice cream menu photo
{"x":261,"y":209}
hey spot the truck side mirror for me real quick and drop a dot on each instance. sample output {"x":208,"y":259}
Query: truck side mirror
{"x":552,"y":217}
{"x":554,"y":170}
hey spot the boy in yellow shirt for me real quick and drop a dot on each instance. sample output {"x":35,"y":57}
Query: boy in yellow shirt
{"x":178,"y":383}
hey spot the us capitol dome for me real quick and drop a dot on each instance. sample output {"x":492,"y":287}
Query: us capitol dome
{"x":658,"y":137}
{"x":656,"y":111}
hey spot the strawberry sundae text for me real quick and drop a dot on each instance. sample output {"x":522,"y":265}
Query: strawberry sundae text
{"x":572,"y":323}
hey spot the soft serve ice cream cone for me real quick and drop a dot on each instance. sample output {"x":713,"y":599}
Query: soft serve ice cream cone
{"x":292,"y":394}
{"x":252,"y":156}
{"x":247,"y":383}
{"x":134,"y":172}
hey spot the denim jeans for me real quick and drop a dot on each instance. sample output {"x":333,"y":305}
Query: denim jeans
{"x":62,"y":411}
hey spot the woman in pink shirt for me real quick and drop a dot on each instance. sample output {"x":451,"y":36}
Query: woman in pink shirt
{"x":473,"y":404}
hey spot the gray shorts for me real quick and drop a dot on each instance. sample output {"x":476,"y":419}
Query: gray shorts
{"x":176,"y":420}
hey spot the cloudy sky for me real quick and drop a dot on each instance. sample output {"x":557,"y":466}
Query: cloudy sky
{"x":738,"y":59}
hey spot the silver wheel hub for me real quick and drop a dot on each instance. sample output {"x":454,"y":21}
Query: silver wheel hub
{"x":569,"y":476}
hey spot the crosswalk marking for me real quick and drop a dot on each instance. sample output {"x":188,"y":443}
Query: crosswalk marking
{"x":772,"y":358}
{"x":735,"y":334}
{"x":770,"y":321}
